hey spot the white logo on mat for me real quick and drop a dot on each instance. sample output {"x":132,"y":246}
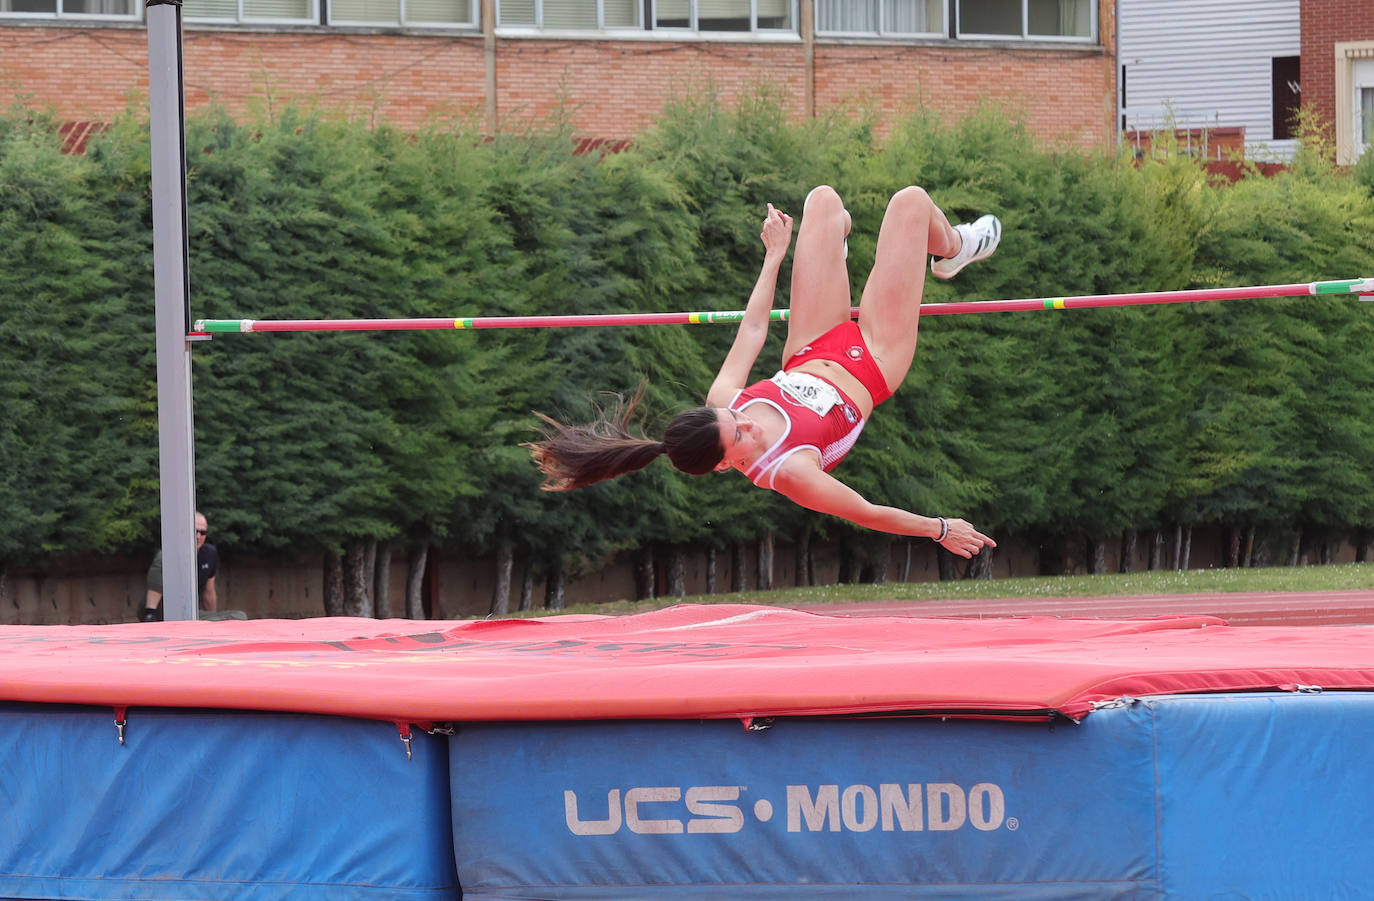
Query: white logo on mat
{"x":721,"y":809}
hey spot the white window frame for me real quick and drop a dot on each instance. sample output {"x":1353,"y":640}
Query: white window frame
{"x":1354,"y":59}
{"x":693,"y":28}
{"x":241,"y":19}
{"x":1092,"y":38}
{"x":601,"y":26}
{"x":1361,"y":145}
{"x":60,"y":14}
{"x":400,"y":22}
{"x":649,"y":28}
{"x":883,"y":32}
{"x":314,"y":18}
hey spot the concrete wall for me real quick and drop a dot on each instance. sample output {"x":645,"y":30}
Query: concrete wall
{"x":92,"y":591}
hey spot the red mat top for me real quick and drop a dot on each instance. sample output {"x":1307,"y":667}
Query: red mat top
{"x":684,"y":662}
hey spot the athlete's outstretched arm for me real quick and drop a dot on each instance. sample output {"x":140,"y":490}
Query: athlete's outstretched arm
{"x":806,"y":484}
{"x":753,"y":327}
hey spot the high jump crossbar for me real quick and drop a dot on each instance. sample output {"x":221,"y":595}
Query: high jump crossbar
{"x":1360,"y":286}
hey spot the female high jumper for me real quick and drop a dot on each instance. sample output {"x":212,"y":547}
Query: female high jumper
{"x":786,"y":433}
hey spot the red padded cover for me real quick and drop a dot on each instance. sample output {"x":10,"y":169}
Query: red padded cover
{"x":683,"y":662}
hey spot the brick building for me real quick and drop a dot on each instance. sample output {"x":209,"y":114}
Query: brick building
{"x":1338,"y":70}
{"x":1228,"y":76}
{"x":607,"y":64}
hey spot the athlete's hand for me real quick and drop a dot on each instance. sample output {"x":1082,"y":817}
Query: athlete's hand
{"x":964,"y":540}
{"x":777,"y":233}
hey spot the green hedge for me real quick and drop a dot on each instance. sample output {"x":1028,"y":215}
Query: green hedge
{"x":1046,"y":427}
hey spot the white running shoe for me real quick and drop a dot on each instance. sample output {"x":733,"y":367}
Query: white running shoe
{"x":981,"y":237}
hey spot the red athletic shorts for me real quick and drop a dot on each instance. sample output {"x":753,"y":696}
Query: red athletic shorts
{"x":844,"y":344}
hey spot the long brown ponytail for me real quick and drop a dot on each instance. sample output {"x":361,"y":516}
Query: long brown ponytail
{"x":572,"y":456}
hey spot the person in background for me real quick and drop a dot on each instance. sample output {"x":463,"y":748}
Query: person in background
{"x":207,"y":564}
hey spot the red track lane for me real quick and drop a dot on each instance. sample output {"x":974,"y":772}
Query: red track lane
{"x":1266,"y":608}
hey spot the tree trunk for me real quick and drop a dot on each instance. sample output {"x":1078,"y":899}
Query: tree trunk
{"x":738,"y":577}
{"x":1177,"y":556}
{"x":851,"y":561}
{"x":677,"y":572}
{"x":853,"y":564}
{"x":381,"y":582}
{"x":711,"y":557}
{"x":555,"y":586}
{"x":1232,"y":558}
{"x":1152,"y":553}
{"x":805,"y":576}
{"x":948,"y":564}
{"x":416,"y":560}
{"x":370,"y":577}
{"x":1187,"y":547}
{"x":1096,"y":552}
{"x":527,"y":586}
{"x":980,"y":565}
{"x":644,"y":574}
{"x":355,"y":580}
{"x":1362,"y":541}
{"x":333,"y":584}
{"x":1328,"y":551}
{"x":765,"y":555}
{"x":1247,"y":552}
{"x":505,"y":563}
{"x":906,"y":560}
{"x":1127,"y":551}
{"x":881,"y":563}
{"x":1295,"y":549}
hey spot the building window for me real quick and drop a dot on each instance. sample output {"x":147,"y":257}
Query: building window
{"x":1287,"y":96}
{"x":1366,"y":120}
{"x":570,"y":14}
{"x":1039,"y":20}
{"x":903,"y":18}
{"x":271,"y":11}
{"x":410,"y":13}
{"x":1354,"y":100}
{"x":72,"y":9}
{"x":674,"y":15}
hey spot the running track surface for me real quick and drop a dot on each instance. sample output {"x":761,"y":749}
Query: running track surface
{"x":1269,"y":608}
